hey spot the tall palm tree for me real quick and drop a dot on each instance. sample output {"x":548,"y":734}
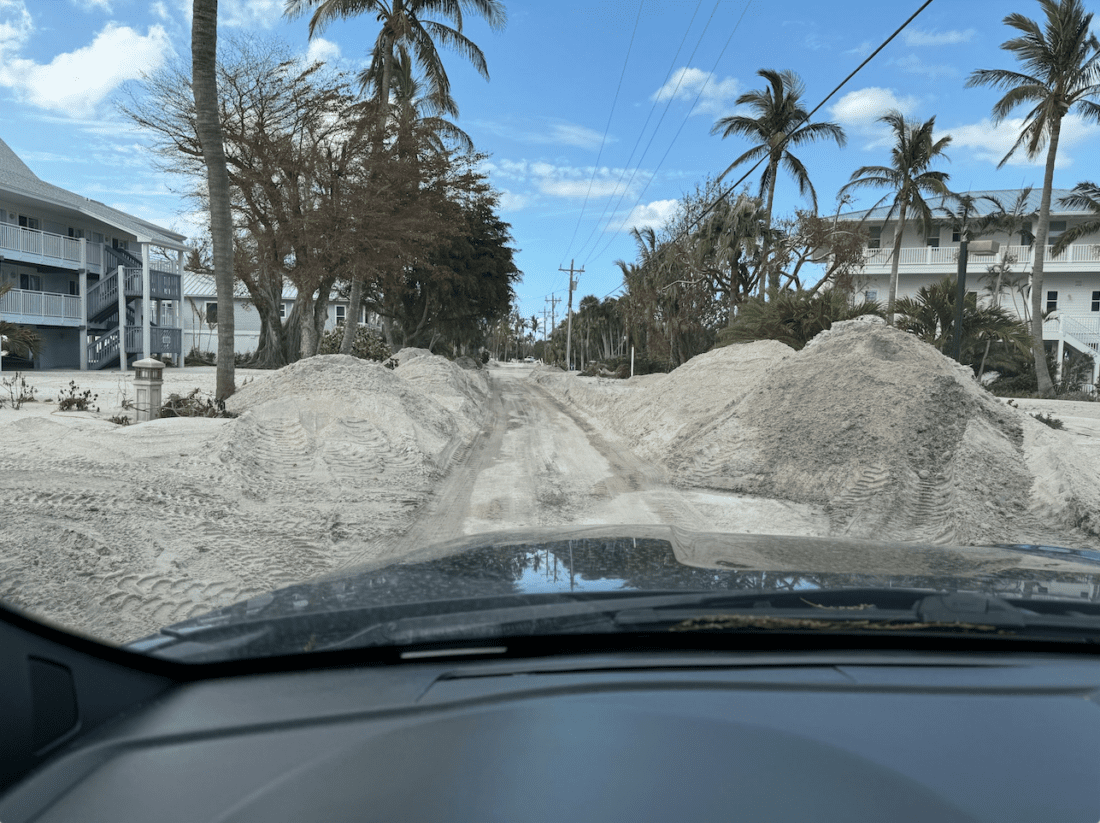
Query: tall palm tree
{"x":1086,"y":195}
{"x":780,"y":123}
{"x":204,"y":83}
{"x":408,"y":33}
{"x":1061,"y":62}
{"x":909,"y":178}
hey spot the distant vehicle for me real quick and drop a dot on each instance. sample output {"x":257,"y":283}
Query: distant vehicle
{"x":528,"y":360}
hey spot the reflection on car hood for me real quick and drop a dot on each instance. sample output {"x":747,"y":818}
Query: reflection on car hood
{"x":650,"y":559}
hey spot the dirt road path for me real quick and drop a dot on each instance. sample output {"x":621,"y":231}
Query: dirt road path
{"x":540,"y":463}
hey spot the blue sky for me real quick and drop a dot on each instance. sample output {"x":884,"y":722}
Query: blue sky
{"x":576,"y":164}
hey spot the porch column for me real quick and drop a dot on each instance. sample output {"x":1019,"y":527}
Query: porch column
{"x":1061,"y":349}
{"x":83,"y":335}
{"x":177,"y":307}
{"x":120,"y":275}
{"x":146,"y":288}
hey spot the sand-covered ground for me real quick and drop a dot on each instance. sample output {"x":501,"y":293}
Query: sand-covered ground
{"x":335,"y":462}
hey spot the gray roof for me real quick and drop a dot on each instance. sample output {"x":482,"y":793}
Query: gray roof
{"x":17,"y":178}
{"x":1007,"y":198}
{"x":202,"y":285}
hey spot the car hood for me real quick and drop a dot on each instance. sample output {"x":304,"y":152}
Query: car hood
{"x":664,"y":559}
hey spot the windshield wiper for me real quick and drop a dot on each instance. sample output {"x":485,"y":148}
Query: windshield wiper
{"x":808,"y":611}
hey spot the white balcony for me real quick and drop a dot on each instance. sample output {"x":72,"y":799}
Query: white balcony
{"x":34,"y":246}
{"x":942,"y":259}
{"x":40,"y":308}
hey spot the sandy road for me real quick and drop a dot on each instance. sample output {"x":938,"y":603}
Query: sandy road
{"x":540,"y":463}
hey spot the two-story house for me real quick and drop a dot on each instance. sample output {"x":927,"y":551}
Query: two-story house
{"x":99,"y":286}
{"x":1071,"y":279}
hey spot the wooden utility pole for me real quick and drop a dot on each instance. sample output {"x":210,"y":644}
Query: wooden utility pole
{"x":544,"y":313}
{"x":569,"y":325}
{"x":553,"y":301}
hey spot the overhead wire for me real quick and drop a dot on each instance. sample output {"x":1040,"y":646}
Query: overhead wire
{"x":698,"y":97}
{"x":649,"y":116}
{"x":606,"y":129}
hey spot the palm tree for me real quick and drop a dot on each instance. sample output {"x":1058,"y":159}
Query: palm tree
{"x":780,"y":122}
{"x":204,"y":82}
{"x":408,"y":35}
{"x":1086,"y":195}
{"x":910,"y":179}
{"x":1061,"y":63}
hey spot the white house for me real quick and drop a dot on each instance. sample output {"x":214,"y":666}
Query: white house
{"x":1071,"y":280}
{"x":199,"y":315}
{"x":65,"y":256}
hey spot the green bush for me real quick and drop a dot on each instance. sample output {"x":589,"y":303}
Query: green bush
{"x":368,"y":345}
{"x":792,"y":317}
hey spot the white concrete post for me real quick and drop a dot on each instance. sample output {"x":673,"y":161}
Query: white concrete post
{"x":146,"y":290}
{"x":148,"y":389}
{"x":120,"y":274}
{"x":83,"y":336}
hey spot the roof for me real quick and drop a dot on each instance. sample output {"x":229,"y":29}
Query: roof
{"x":202,"y":285}
{"x":16,"y":177}
{"x":1007,"y":198}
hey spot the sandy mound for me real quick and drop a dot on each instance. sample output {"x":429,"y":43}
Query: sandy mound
{"x":892,"y":438}
{"x":120,"y":530}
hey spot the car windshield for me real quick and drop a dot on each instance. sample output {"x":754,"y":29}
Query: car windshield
{"x":510,"y":313}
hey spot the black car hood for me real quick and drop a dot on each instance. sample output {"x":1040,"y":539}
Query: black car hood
{"x":661,"y":559}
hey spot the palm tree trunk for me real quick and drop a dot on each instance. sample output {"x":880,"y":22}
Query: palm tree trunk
{"x":1042,"y":231}
{"x":896,"y":259}
{"x":352,"y":327}
{"x":204,"y":82}
{"x":773,"y":276}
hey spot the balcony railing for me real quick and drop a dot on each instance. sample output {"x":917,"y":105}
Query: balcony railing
{"x":40,"y":304}
{"x":949,"y":255}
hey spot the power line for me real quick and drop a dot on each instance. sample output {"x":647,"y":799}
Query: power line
{"x":698,"y":97}
{"x":649,"y":116}
{"x":723,"y":195}
{"x":606,"y":128}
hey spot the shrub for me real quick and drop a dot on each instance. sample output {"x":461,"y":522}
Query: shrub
{"x":120,"y":420}
{"x":792,"y":317}
{"x":1049,"y":419}
{"x":76,"y":400}
{"x":18,"y":391}
{"x":368,"y":345}
{"x":195,"y":404}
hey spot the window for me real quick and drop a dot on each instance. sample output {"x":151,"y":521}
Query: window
{"x":1096,"y":301}
{"x":933,"y":239}
{"x":30,"y":282}
{"x":28,"y":222}
{"x":341,"y":314}
{"x":1052,"y":300}
{"x":1057,"y":229}
{"x":955,"y":237}
{"x":282,"y":311}
{"x":875,"y":240}
{"x":76,"y":234}
{"x":871,"y":294}
{"x":1026,"y":237}
{"x":212,"y":313}
{"x":74,"y":288}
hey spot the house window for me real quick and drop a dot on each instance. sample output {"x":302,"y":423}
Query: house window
{"x":875,"y":240}
{"x":212,"y":314}
{"x":30,"y":282}
{"x":76,"y":234}
{"x":955,"y":237}
{"x":1096,"y":301}
{"x":28,"y":222}
{"x":1026,"y":237}
{"x":341,"y":314}
{"x":933,"y":239}
{"x":1057,"y":229}
{"x":74,"y":288}
{"x":1052,"y":300}
{"x":871,"y":294}
{"x":282,"y":311}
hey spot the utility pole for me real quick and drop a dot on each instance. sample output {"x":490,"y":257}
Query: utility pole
{"x":569,"y":325}
{"x":544,"y":313}
{"x":553,"y":301}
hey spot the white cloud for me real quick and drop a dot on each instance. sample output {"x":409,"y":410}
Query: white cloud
{"x":917,"y":37}
{"x":160,"y":10}
{"x":322,"y":50}
{"x":242,"y":13}
{"x":570,"y":134}
{"x":861,"y":108}
{"x":935,"y":71}
{"x":651,"y":215}
{"x":562,"y":181}
{"x":715,"y":96}
{"x":16,"y":25}
{"x":76,"y":82}
{"x":598,"y":187}
{"x":510,"y":201}
{"x":88,"y":5}
{"x":991,"y":143}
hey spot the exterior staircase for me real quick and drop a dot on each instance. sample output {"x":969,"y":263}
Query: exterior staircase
{"x":112,"y":338}
{"x":1081,"y":332}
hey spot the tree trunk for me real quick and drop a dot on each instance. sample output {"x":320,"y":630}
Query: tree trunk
{"x":351,"y":321}
{"x":772,"y":276}
{"x":204,"y":82}
{"x":307,"y":325}
{"x":896,"y":259}
{"x":1042,"y":231}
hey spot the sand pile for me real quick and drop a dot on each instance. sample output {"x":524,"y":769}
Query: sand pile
{"x":893,"y":439}
{"x":121,"y":530}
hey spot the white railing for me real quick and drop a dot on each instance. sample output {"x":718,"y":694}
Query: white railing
{"x":41,"y":243}
{"x":41,"y":304}
{"x":945,"y":255}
